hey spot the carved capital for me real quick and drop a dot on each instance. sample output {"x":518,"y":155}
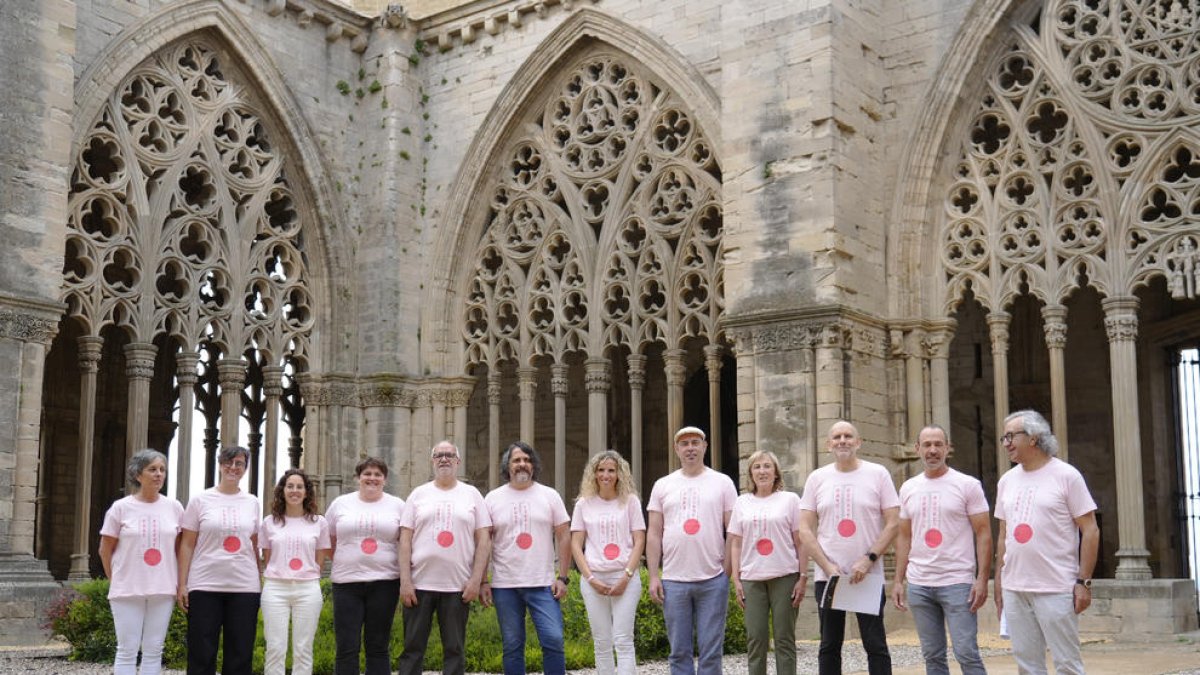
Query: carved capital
{"x":90,"y":349}
{"x":231,"y":373}
{"x":385,"y":395}
{"x":598,"y":375}
{"x":1055,"y":319}
{"x":27,"y":327}
{"x":676,"y":371}
{"x":998,"y":331}
{"x":493,"y":388}
{"x":272,"y":381}
{"x":937,"y":341}
{"x":526,"y":383}
{"x":139,"y":360}
{"x":558,"y":379}
{"x":1120,"y":318}
{"x":185,"y":368}
{"x":712,"y":361}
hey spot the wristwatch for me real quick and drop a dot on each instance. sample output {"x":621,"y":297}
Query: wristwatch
{"x":566,"y":580}
{"x":1086,"y":583}
{"x":872,"y":556}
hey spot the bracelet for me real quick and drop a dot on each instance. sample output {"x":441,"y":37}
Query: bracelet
{"x":591,"y":578}
{"x":804,"y":575}
{"x":628,"y":573}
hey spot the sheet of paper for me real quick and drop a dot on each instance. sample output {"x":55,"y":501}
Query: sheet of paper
{"x":863,"y":597}
{"x":1004,"y":625}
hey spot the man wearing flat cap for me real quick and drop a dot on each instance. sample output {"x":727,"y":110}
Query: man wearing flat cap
{"x":688,"y":513}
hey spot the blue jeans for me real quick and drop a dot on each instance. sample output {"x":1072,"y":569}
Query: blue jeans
{"x":547,"y":621}
{"x":699,"y":607}
{"x":933,"y":609}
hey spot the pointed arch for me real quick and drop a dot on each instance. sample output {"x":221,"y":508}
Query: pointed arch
{"x":467,"y":206}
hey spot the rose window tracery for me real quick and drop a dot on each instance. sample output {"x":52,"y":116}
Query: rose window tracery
{"x":182,"y":220}
{"x":604,"y":225}
{"x":1081,"y":159}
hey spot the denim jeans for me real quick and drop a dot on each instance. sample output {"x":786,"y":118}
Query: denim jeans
{"x":933,"y":609}
{"x":1040,"y":620}
{"x":697,"y":607}
{"x":547,"y":621}
{"x":612,"y":618}
{"x":833,"y":634}
{"x":362,"y":615}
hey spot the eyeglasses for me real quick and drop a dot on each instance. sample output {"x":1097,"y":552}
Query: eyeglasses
{"x":1008,"y":438}
{"x":445,"y":455}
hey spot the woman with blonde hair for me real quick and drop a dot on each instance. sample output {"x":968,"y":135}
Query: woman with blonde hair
{"x":608,"y":535}
{"x":769,"y":564}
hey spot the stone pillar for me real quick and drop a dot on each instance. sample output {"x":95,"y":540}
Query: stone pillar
{"x":527,"y":393}
{"x":272,"y":389}
{"x":438,"y":433}
{"x":559,"y":387}
{"x":139,"y":369}
{"x":231,"y":374}
{"x":493,"y":454}
{"x":937,"y":345}
{"x":1121,"y":323}
{"x":1055,"y":319}
{"x":998,"y":331}
{"x":914,"y":381}
{"x":712,"y":364}
{"x":676,"y":373}
{"x":89,"y":366}
{"x":185,"y":376}
{"x":637,"y":382}
{"x":808,"y":356}
{"x":831,"y":377}
{"x":598,"y":379}
{"x":460,"y":399}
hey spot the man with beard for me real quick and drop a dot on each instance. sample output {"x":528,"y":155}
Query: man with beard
{"x":689,"y":511}
{"x":530,"y":528}
{"x":1047,"y":546}
{"x":947,"y":575}
{"x":856,"y":505}
{"x":444,"y":545}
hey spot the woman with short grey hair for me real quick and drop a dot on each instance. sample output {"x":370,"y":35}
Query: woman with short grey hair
{"x":137,"y":548}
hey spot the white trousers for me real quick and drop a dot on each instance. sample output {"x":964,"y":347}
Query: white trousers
{"x":141,"y":625}
{"x":612,"y":618}
{"x":1040,"y":620}
{"x":299,"y":601}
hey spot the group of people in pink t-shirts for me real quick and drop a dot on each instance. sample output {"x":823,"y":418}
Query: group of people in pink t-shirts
{"x":449,"y":546}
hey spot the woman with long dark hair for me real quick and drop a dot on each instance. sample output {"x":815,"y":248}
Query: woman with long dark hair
{"x":295,"y":544}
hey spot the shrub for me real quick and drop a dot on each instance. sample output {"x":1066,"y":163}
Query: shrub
{"x":82,"y":615}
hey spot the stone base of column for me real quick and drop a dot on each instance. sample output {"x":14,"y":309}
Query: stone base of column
{"x":80,"y":568}
{"x":1133,"y":565}
{"x":27,"y":591}
{"x":1136,"y":609}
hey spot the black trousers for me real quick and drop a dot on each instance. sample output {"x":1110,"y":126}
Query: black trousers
{"x":833,"y":633}
{"x":362,"y":617}
{"x":208,"y":613}
{"x":452,"y":615}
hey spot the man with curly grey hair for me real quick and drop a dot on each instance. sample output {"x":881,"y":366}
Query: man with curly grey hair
{"x":1047,"y":547}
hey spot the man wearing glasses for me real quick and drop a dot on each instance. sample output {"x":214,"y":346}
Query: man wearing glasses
{"x":445,"y":542}
{"x":1048,"y":541}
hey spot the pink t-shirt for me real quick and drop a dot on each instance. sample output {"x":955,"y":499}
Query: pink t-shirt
{"x":609,"y":525}
{"x":443,"y":523}
{"x":293,"y":546}
{"x":367,"y":535}
{"x":943,"y":541}
{"x":1041,"y":541}
{"x":523,"y":523}
{"x":849,"y":507}
{"x":144,"y":561}
{"x":693,"y":510}
{"x":766,"y":526}
{"x":224,"y":558}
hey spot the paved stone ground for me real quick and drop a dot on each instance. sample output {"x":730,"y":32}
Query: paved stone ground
{"x":1180,"y":656}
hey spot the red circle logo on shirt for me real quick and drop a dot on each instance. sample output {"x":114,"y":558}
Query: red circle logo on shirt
{"x":152,"y":556}
{"x":232,"y":544}
{"x":691,"y":526}
{"x":295,"y":564}
{"x":369,"y":546}
{"x":764,"y":547}
{"x":524,"y":540}
{"x":611,"y":551}
{"x":933,"y":538}
{"x":445,"y":539}
{"x":1023,"y":533}
{"x":847,"y":528}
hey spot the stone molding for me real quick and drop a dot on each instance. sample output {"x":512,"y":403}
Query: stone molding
{"x":384,"y":391}
{"x":340,"y":22}
{"x":462,"y":25}
{"x":29,"y":320}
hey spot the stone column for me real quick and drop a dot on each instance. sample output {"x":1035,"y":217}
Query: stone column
{"x":598,"y":379}
{"x":998,"y":331}
{"x":231,"y":373}
{"x":272,"y":389}
{"x":937,"y":345}
{"x":493,"y":394}
{"x":527,"y":393}
{"x":1121,"y":323}
{"x":1055,"y":320}
{"x":831,"y":376}
{"x":89,"y":366}
{"x":914,"y":381}
{"x":808,"y":356}
{"x":185,"y":376}
{"x":459,"y":400}
{"x":712,"y":364}
{"x":559,"y":387}
{"x":676,"y":373}
{"x":438,"y":433}
{"x":139,"y":369}
{"x":637,"y":382}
